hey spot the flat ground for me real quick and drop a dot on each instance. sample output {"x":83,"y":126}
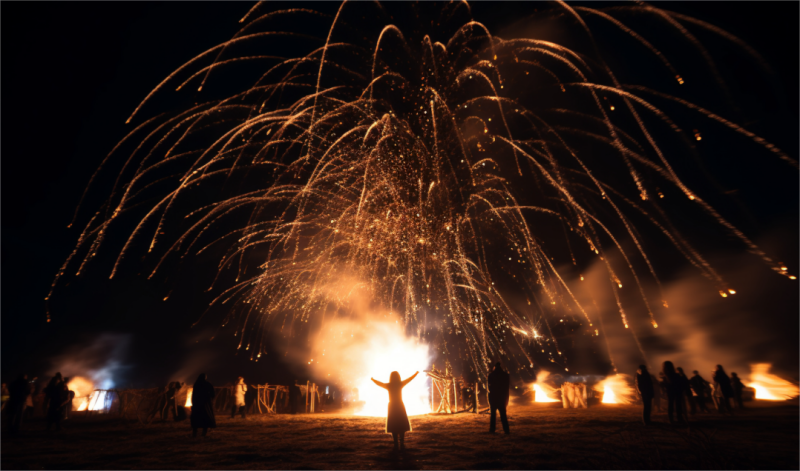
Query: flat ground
{"x":763,"y":436}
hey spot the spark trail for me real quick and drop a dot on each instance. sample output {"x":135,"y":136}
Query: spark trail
{"x":432,"y":179}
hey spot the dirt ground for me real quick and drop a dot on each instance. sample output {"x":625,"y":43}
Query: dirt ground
{"x":543,"y":436}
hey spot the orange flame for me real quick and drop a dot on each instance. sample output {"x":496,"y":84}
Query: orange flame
{"x":189,"y":398}
{"x":770,"y":387}
{"x":616,"y":390}
{"x":542,"y":391}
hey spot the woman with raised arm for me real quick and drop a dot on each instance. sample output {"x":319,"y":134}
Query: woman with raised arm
{"x":396,"y":420}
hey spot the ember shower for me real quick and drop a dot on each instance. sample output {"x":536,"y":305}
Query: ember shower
{"x":435,"y":177}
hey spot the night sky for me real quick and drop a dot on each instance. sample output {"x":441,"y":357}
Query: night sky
{"x":73,"y":73}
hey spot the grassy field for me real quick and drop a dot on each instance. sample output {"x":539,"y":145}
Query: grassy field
{"x":763,"y":436}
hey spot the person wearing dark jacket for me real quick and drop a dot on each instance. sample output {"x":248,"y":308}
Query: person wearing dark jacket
{"x":58,"y":395}
{"x":675,"y":391}
{"x":644,"y":386}
{"x":722,"y":390}
{"x":498,"y":396}
{"x":699,"y":387}
{"x":738,"y":387}
{"x":202,"y":406}
{"x":18,"y":392}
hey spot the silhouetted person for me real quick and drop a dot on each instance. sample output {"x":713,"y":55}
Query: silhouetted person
{"x":239,"y":391}
{"x":687,"y":390}
{"x":675,"y":390}
{"x":58,"y":394}
{"x":70,"y":398}
{"x":658,"y":391}
{"x":699,"y":386}
{"x":202,"y":406}
{"x":644,"y":385}
{"x":171,"y":402}
{"x":18,"y":392}
{"x":53,"y":381}
{"x":737,"y":386}
{"x":722,"y":390}
{"x":498,"y":396}
{"x":396,"y":419}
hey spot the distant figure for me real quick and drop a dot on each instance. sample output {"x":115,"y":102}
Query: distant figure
{"x":657,"y":393}
{"x":687,"y":390}
{"x":70,"y":397}
{"x":662,"y":384}
{"x":498,"y":396}
{"x":675,"y":390}
{"x":396,"y":419}
{"x":171,"y":402}
{"x":58,"y":395}
{"x":644,"y":385}
{"x":53,"y":381}
{"x":737,"y":386}
{"x":202,"y":406}
{"x":18,"y":392}
{"x":722,"y":390}
{"x":239,"y":390}
{"x":699,"y":387}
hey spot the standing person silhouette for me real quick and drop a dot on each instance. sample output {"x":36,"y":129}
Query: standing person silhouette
{"x":202,"y":406}
{"x":644,"y":386}
{"x":498,"y":396}
{"x":396,"y":420}
{"x":675,"y":389}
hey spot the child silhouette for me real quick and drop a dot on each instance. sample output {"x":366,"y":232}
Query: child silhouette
{"x":396,"y":420}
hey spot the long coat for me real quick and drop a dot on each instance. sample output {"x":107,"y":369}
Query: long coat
{"x":203,"y":405}
{"x":498,"y":388}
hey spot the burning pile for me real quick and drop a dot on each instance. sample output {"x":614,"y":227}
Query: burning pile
{"x":543,"y":392}
{"x":770,"y":387}
{"x":616,"y":390}
{"x":86,"y":398}
{"x":351,"y":351}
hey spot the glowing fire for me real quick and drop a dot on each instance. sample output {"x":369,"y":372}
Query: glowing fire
{"x":616,"y":390}
{"x":542,"y":391}
{"x":395,"y":354}
{"x":189,"y":398}
{"x":86,"y":398}
{"x":349,"y":352}
{"x":770,"y":387}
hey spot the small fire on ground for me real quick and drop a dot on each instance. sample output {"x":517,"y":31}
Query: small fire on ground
{"x":616,"y":390}
{"x":189,"y":398}
{"x":770,"y":387}
{"x":543,"y":392}
{"x":86,"y":397}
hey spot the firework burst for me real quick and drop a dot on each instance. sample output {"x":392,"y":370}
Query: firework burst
{"x":432,"y":182}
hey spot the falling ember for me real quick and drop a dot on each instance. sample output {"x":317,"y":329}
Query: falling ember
{"x":616,"y":390}
{"x":331,"y":136}
{"x":770,"y":387}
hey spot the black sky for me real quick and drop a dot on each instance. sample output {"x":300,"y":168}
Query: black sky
{"x":71,"y":75}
